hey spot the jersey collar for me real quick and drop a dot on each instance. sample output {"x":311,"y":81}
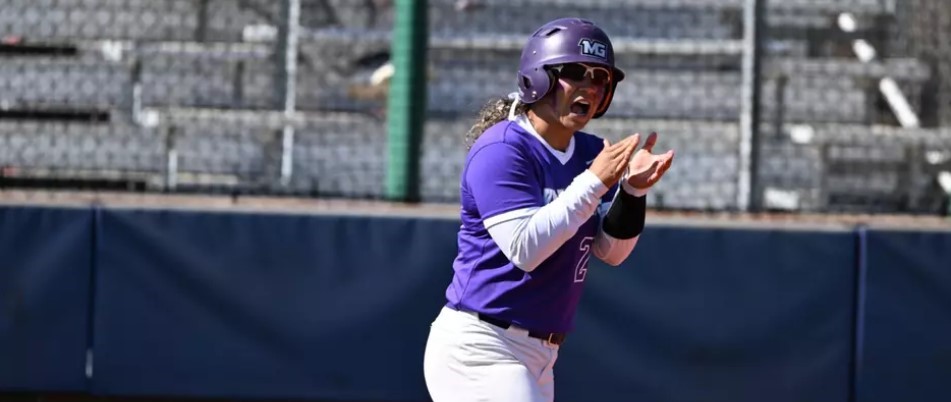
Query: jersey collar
{"x":563,"y":157}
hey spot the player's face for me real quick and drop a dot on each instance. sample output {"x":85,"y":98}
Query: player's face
{"x":578,"y":93}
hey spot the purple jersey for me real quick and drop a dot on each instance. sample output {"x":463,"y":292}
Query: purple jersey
{"x":510,"y":169}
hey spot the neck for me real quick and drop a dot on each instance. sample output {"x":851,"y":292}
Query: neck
{"x":555,"y":134}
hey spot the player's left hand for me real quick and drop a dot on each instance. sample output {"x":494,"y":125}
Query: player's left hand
{"x":646,"y":168}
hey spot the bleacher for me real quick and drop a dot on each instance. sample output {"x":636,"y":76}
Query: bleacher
{"x":198,"y":77}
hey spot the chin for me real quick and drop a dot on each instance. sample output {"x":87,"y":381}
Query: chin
{"x":576,"y":123}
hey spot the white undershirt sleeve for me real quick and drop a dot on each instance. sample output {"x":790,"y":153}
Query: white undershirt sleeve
{"x":528,"y":236}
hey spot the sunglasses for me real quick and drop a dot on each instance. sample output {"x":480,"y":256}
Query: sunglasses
{"x":578,"y":71}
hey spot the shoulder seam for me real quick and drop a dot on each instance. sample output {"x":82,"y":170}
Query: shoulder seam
{"x":501,"y":141}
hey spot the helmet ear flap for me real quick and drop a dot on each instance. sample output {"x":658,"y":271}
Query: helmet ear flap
{"x":552,"y":79}
{"x":534,"y":84}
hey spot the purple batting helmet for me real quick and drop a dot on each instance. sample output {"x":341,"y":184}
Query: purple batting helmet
{"x":565,"y":40}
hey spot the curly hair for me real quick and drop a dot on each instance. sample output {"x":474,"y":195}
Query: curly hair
{"x":492,"y":112}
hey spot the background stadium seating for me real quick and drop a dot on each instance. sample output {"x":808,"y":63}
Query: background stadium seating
{"x":205,"y":70}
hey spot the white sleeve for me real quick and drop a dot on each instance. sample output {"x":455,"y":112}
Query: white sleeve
{"x":529,"y":236}
{"x":607,"y":248}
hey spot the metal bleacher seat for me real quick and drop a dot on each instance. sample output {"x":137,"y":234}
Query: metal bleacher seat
{"x":697,"y":95}
{"x":201,"y":81}
{"x":697,"y":19}
{"x":181,"y":76}
{"x":463,"y":89}
{"x":96,"y":19}
{"x":75,"y":150}
{"x":835,"y":90}
{"x":863,"y":163}
{"x":211,"y":147}
{"x":26,"y":81}
{"x":857,"y":167}
{"x":140,"y":20}
{"x":863,"y":178}
{"x":341,"y":155}
{"x":826,"y":99}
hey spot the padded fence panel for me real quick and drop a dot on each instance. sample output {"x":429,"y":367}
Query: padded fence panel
{"x":45,"y":262}
{"x":704,"y":315}
{"x":273,"y":306}
{"x":906,"y":346}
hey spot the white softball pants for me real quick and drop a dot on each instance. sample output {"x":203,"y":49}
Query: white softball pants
{"x":468,"y":360}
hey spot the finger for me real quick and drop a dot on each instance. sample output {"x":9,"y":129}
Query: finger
{"x":607,"y":145}
{"x":665,"y":159}
{"x":631,"y":138}
{"x":629,"y":152}
{"x":623,"y":158}
{"x":656,"y":177}
{"x":631,"y":144}
{"x":636,"y":139}
{"x":619,"y":146}
{"x":668,"y":159}
{"x":651,"y":141}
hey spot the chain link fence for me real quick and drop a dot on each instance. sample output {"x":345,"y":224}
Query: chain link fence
{"x":852,"y":115}
{"x":193,"y":96}
{"x":189,"y":96}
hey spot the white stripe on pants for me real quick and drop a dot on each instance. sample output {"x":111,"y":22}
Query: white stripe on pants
{"x":470,"y":360}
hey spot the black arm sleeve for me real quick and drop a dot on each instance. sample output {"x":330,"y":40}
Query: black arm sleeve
{"x":625,"y":218}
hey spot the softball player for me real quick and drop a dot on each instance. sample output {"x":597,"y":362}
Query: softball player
{"x":539,"y":197}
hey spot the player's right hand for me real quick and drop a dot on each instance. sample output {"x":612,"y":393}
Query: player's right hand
{"x":612,"y":162}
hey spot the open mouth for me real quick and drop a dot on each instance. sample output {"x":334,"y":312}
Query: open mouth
{"x":580,"y":107}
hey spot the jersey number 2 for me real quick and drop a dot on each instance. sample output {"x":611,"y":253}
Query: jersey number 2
{"x":582,"y":269}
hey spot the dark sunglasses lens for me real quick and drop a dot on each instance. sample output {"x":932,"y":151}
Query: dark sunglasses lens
{"x":601,"y":77}
{"x":573,"y":72}
{"x":576,"y":72}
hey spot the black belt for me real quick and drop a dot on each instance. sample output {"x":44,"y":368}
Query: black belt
{"x":554,"y":338}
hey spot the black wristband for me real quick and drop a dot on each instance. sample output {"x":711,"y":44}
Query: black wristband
{"x":625,"y":218}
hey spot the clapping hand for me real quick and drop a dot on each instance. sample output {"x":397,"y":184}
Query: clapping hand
{"x":613,"y":160}
{"x":646,"y":168}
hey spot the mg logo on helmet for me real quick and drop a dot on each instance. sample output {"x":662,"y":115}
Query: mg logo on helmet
{"x":593,"y":48}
